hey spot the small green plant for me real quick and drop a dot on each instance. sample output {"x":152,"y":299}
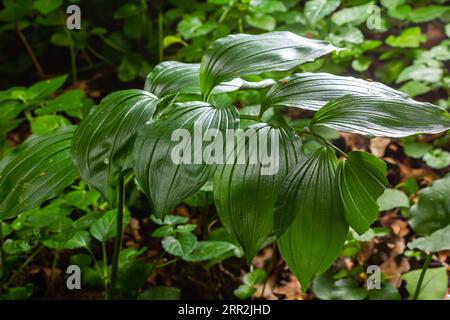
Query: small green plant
{"x":307,"y":205}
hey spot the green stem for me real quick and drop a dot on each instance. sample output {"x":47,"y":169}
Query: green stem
{"x":249,"y":117}
{"x":52,"y":272}
{"x":119,"y":237}
{"x":422,"y":275}
{"x":2,"y":257}
{"x":160,"y":34}
{"x":97,"y":267}
{"x":23,"y":265}
{"x":240,"y":25}
{"x":105,"y":268}
{"x":73,"y":61}
{"x":223,"y":16}
{"x":301,"y":131}
{"x":99,"y":56}
{"x":162,"y":265}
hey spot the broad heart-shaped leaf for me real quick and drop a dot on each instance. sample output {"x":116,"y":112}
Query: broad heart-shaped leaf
{"x":103,"y":143}
{"x":181,"y":245}
{"x":361,"y":180}
{"x":37,"y":171}
{"x":432,"y":211}
{"x":437,"y":241}
{"x":105,"y":228}
{"x":434,"y":285}
{"x":245,"y":194}
{"x":315,"y":10}
{"x":382,"y":116}
{"x":169,"y":156}
{"x":327,"y":288}
{"x":311,"y":91}
{"x":238,"y":55}
{"x":309,"y":211}
{"x":172,"y":77}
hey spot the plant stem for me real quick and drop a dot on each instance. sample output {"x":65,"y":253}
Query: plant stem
{"x":249,"y":117}
{"x":119,"y":237}
{"x":422,"y":275}
{"x":99,"y":56}
{"x":23,"y":265}
{"x":52,"y":272}
{"x":30,"y":51}
{"x":73,"y":61}
{"x":301,"y":131}
{"x":160,"y":33}
{"x":97,"y":267}
{"x":105,"y":268}
{"x":2,"y":258}
{"x":162,"y":265}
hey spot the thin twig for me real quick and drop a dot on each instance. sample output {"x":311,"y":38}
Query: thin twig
{"x":30,"y":52}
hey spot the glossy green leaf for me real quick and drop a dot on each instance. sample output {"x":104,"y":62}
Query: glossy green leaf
{"x":69,"y":100}
{"x":102,"y":144}
{"x":382,"y":116}
{"x":47,"y":6}
{"x":315,"y":10}
{"x":361,"y":180}
{"x":45,"y":124}
{"x":105,"y":227}
{"x":180,"y":245}
{"x":437,"y":159}
{"x":434,"y":285}
{"x":391,"y":199}
{"x":416,"y":149}
{"x":387,"y":292}
{"x":437,"y":241}
{"x":245,"y":192}
{"x":408,"y":38}
{"x":234,"y":56}
{"x":352,"y":15}
{"x":427,"y":13}
{"x":169,"y":164}
{"x":308,"y":210}
{"x":43,"y":89}
{"x":207,"y":250}
{"x":172,"y":77}
{"x":311,"y":91}
{"x":80,"y":239}
{"x":432,"y":211}
{"x":327,"y":288}
{"x":37,"y":171}
{"x":19,"y":246}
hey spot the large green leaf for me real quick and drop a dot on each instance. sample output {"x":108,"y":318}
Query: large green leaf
{"x":437,"y":241}
{"x":382,"y":116}
{"x":102,"y":144}
{"x":37,"y":171}
{"x":168,"y":182}
{"x":238,"y":55}
{"x":308,"y":206}
{"x":311,"y":91}
{"x":244,"y":195}
{"x":361,"y":180}
{"x":432,"y":211}
{"x":172,"y":77}
{"x":434,"y":285}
